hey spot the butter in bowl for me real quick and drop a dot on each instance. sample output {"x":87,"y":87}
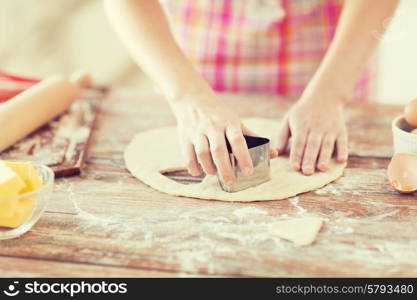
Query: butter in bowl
{"x":24,"y":191}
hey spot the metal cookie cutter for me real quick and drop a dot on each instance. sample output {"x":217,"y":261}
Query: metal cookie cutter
{"x":259,"y":152}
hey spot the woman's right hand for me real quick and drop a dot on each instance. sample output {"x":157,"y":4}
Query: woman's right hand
{"x":204,"y":122}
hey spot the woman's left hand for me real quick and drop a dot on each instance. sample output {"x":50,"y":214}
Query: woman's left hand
{"x":317,"y":127}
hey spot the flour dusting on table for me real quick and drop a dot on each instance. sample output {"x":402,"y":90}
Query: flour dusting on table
{"x":211,"y":239}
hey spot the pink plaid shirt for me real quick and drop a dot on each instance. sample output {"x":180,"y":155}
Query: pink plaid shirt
{"x":257,"y":46}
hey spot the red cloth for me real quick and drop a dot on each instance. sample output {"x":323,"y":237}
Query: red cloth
{"x":12,"y":85}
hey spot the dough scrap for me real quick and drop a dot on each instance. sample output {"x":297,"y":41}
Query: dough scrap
{"x":300,"y":231}
{"x":156,"y":151}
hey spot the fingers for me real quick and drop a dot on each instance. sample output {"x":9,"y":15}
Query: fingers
{"x":319,"y":150}
{"x":283,"y":136}
{"x":326,"y":145}
{"x":192,"y":163}
{"x":311,"y":152}
{"x":240,"y":149}
{"x":326,"y":152}
{"x":314,"y":138}
{"x":221,"y":158}
{"x":297,"y":149}
{"x":202,"y":151}
{"x":342,"y":148}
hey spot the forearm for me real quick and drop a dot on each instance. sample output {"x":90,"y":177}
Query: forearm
{"x":144,"y":29}
{"x":353,"y":45}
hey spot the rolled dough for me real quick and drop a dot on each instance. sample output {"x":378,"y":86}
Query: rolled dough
{"x":300,"y":231}
{"x":156,"y":151}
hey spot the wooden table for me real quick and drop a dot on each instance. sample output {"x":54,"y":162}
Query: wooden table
{"x":107,"y":223}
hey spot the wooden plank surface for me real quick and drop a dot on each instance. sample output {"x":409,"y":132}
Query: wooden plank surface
{"x":107,"y":222}
{"x":62,"y":143}
{"x":23,"y":267}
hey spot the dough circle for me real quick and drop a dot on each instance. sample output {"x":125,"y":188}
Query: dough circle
{"x":156,"y":151}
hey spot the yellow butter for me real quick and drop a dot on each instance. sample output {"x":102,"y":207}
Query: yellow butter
{"x":10,"y":182}
{"x":15,"y":179}
{"x":22,"y":213}
{"x":7,"y":208}
{"x":29,"y":175}
{"x":10,"y":185}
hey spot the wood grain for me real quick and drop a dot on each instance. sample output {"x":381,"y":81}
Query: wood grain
{"x":107,"y":222}
{"x":21,"y":267}
{"x":62,"y":143}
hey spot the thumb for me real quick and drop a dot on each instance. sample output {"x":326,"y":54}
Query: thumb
{"x":283,"y":136}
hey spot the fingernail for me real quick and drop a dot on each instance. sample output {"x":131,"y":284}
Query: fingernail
{"x":323,"y":167}
{"x":248,"y":171}
{"x":308,"y":171}
{"x":194,"y":173}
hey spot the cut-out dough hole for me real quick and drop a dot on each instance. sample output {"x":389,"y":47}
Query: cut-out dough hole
{"x":182,"y":176}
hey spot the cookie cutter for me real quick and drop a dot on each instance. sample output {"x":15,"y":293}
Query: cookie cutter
{"x":259,"y":153}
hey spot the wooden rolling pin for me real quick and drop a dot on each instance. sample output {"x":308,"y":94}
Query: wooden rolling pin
{"x":33,"y":108}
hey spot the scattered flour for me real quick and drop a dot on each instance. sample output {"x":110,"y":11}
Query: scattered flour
{"x":349,"y":230}
{"x":221,"y":220}
{"x":192,"y":240}
{"x":335,"y":229}
{"x":383,"y":216}
{"x":328,"y":189}
{"x":221,"y":250}
{"x":381,"y":248}
{"x":294,"y":201}
{"x":249,"y":211}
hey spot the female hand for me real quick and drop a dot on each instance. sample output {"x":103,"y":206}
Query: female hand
{"x":204,"y":122}
{"x":316,"y":125}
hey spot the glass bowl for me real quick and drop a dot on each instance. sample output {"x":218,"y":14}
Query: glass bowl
{"x":36,"y":200}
